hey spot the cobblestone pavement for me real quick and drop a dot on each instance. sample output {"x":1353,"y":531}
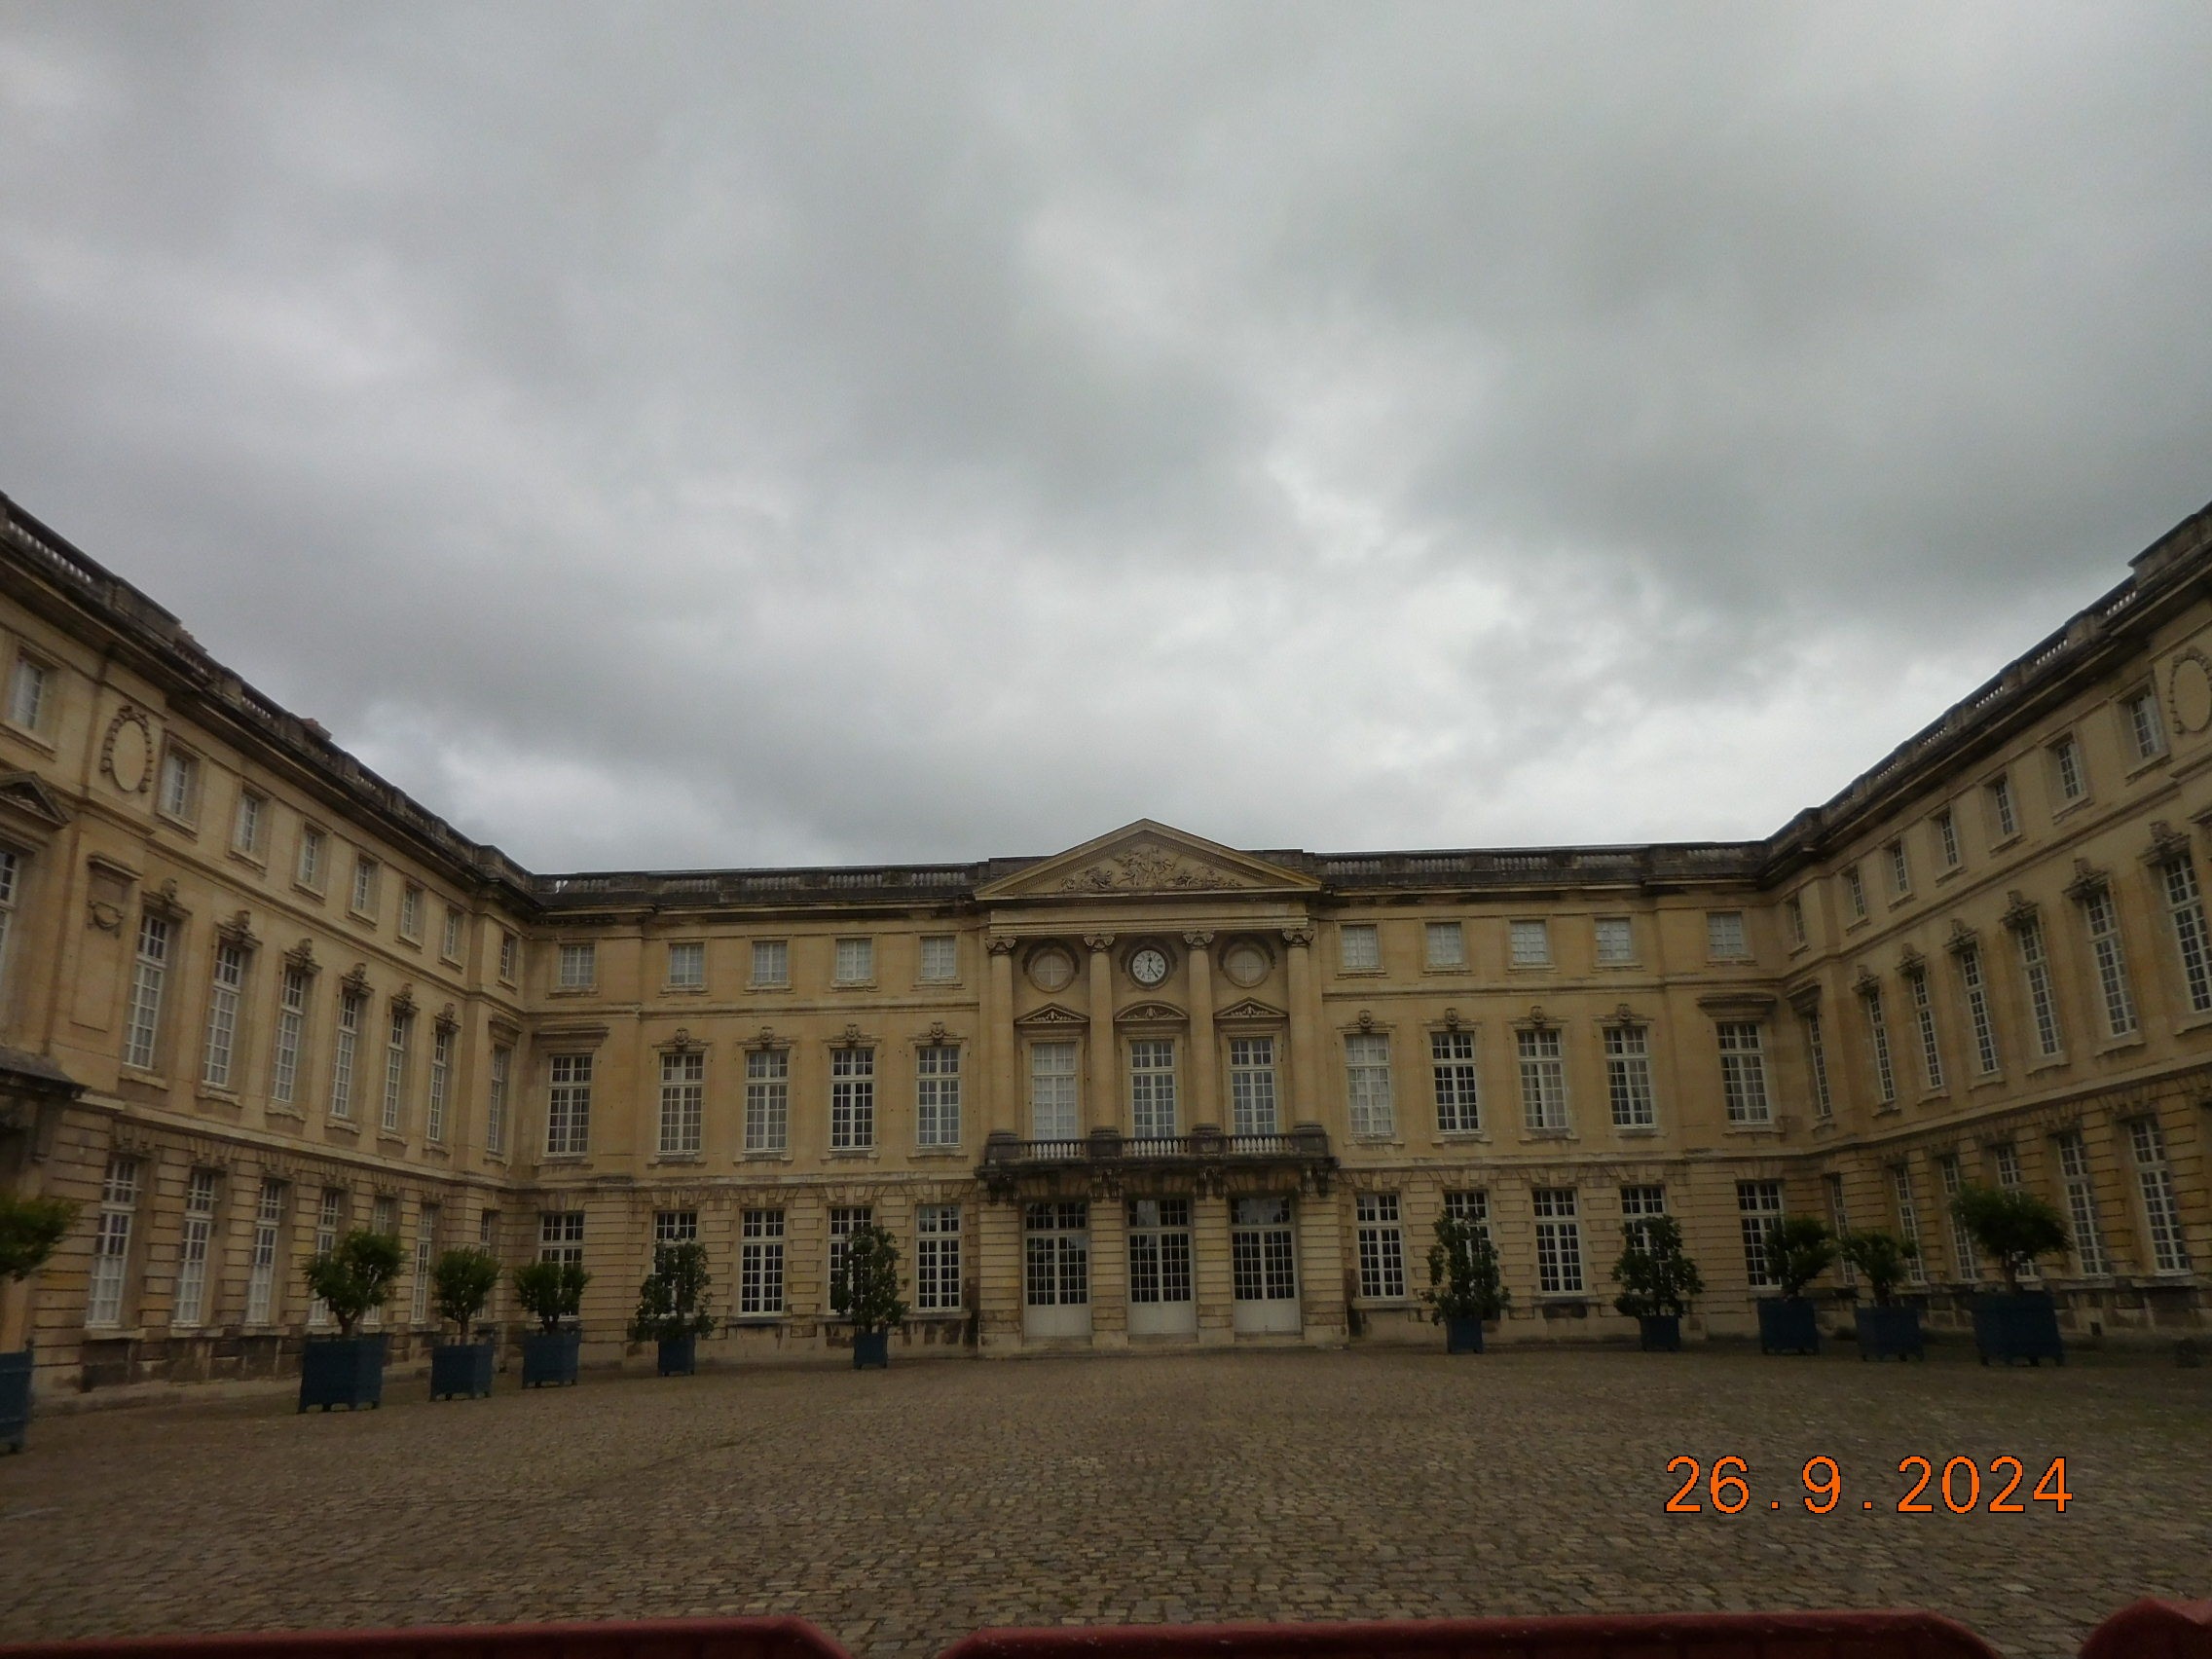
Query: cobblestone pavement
{"x":902,"y":1510}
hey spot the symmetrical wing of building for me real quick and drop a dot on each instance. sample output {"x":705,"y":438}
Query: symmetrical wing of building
{"x":1148,"y":1090}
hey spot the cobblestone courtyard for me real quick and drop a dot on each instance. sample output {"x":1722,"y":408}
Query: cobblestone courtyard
{"x":899,"y":1511}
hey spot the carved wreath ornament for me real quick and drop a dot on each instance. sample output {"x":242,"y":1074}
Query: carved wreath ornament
{"x":1147,"y":867}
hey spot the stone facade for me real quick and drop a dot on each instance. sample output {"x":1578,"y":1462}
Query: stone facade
{"x":1151,"y":1090}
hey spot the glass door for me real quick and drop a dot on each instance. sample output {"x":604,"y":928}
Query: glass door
{"x":1160,"y":1302}
{"x":1056,"y":1270}
{"x":1264,"y":1265}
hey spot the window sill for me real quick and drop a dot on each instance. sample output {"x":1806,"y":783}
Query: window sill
{"x":1445,"y":971}
{"x":851,"y":984}
{"x":572,"y":991}
{"x":1360,"y":972}
{"x":139,"y":1074}
{"x":2148,"y":763}
{"x":1454,"y":1137}
{"x":318,"y":894}
{"x":767,"y":990}
{"x":188,"y":825}
{"x":684,"y":990}
{"x":937,"y":984}
{"x":2004,"y":842}
{"x":1377,"y":1140}
{"x":1754,"y":1131}
{"x":251,"y":859}
{"x":1995,"y":1080}
{"x":2081,"y":803}
{"x":449,"y":959}
{"x":675,"y":1158}
{"x":415,"y":944}
{"x":343,"y":1125}
{"x":1892,"y":1110}
{"x":276,"y":1109}
{"x":367,"y":918}
{"x":2194,"y":1022}
{"x":1951,"y":875}
{"x":1532,"y":967}
{"x":1637,"y":1131}
{"x":220,"y":1096}
{"x":572,"y":1157}
{"x":2056,"y":1062}
{"x":1855,"y":924}
{"x":1731,"y":962}
{"x":397,"y":1143}
{"x":36,"y":739}
{"x":1387,"y":1303}
{"x":756,"y":1321}
{"x":954,"y":1152}
{"x":849,"y":1154}
{"x":1527,"y":1135}
{"x":2120,"y":1045}
{"x":783,"y":1157}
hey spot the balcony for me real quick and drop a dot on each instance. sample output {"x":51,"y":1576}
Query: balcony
{"x":1104,"y":1160}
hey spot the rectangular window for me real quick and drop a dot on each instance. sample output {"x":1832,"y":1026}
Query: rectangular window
{"x":1382,"y":1247}
{"x":1531,"y":944}
{"x":2186,"y":907}
{"x":425,"y":1252}
{"x":1559,"y":1240}
{"x":1947,"y":838}
{"x":1743,"y":1074}
{"x":1451,"y":1069}
{"x":561,"y":1237}
{"x":507,"y":947}
{"x":2066,"y":768}
{"x":682,"y":1101}
{"x":1793,"y":918}
{"x":410,"y":911}
{"x":1367,"y":1087}
{"x":2007,"y":1157}
{"x":676,"y":1227}
{"x":223,"y":992}
{"x":2042,"y":999}
{"x":329,"y":1213}
{"x":1878,"y":1040}
{"x":1160,"y":1251}
{"x":1724,"y":936}
{"x":249,"y":824}
{"x":767,"y":1100}
{"x":1816,"y":1062}
{"x":1358,"y":949}
{"x":579,"y":967}
{"x":1854,"y":892}
{"x":1447,"y":944}
{"x":568,"y":1111}
{"x":1152,"y":1087}
{"x":341,"y":1053}
{"x":687,"y":966}
{"x":2154,"y":1180}
{"x":1053,"y":1091}
{"x":940,"y":958}
{"x":261,"y":1264}
{"x":365,"y":884}
{"x":111,"y":1243}
{"x":2102,"y":919}
{"x":397,"y":1040}
{"x":1617,"y":941}
{"x":495,"y":1103}
{"x":1978,"y":1016}
{"x":441,"y":1079}
{"x":1900,"y":871}
{"x":1472,"y":1208}
{"x":856,"y":961}
{"x":192,"y":1249}
{"x":771,"y":963}
{"x":1963,"y":1254}
{"x":937,"y":1258}
{"x":2081,"y":1206}
{"x":10,"y":873}
{"x":180,"y":783}
{"x":1252,"y":1086}
{"x":852,"y":1099}
{"x":1543,"y":1078}
{"x":1839,"y":1223}
{"x":936,"y":1094}
{"x":314,"y":847}
{"x":761,"y":1263}
{"x":2146,"y":729}
{"x":1908,"y":1222}
{"x":1639,"y":1204}
{"x":142,"y":1023}
{"x":1758,"y":1206}
{"x":27,"y":693}
{"x":844,"y":1221}
{"x":1628,"y":1077}
{"x":449,"y":944}
{"x":1923,"y":1019}
{"x":2001,"y":809}
{"x":291,"y":1037}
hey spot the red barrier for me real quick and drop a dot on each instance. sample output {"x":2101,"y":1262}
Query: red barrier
{"x":647,"y":1639}
{"x":1631,"y":1635}
{"x":2154,"y":1630}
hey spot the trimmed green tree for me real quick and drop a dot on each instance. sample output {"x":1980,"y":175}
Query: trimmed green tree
{"x":550,"y":1292}
{"x":1798,"y":1250}
{"x":354,"y":1275}
{"x":30,"y":1231}
{"x":1888,"y":1328}
{"x":2010,"y":1227}
{"x":1657,"y":1279}
{"x":865,"y":1289}
{"x":1881,"y":1258}
{"x":462,"y":1282}
{"x":1464,"y":1287}
{"x":672,"y":1306}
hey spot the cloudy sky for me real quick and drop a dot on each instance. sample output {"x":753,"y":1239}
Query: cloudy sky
{"x":666,"y":435}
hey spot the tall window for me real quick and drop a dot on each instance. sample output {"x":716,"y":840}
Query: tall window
{"x":2000,"y":810}
{"x":844,"y":1221}
{"x":1628,"y":1077}
{"x":1924,"y":1021}
{"x":1262,"y":1265}
{"x":2154,"y":1180}
{"x":1900,"y":871}
{"x":192,"y":1249}
{"x":1743,"y":1074}
{"x":687,"y":966}
{"x":1639,"y":1204}
{"x":1151,"y":1087}
{"x":2066,"y":767}
{"x":1617,"y":941}
{"x":441,"y":1081}
{"x":1839,"y":1223}
{"x":496,"y":1101}
{"x":11,"y":873}
{"x":856,"y":961}
{"x":410,"y":911}
{"x":1878,"y":1038}
{"x":768,"y":1100}
{"x":1358,"y":950}
{"x":1962,"y":1241}
{"x":111,"y":1243}
{"x":1447,"y":945}
{"x":1908,"y":1222}
{"x":223,"y":991}
{"x":2186,"y":907}
{"x":142,"y":1023}
{"x":365,"y":884}
{"x":329,"y":1211}
{"x":180,"y":783}
{"x":249,"y":822}
{"x":1543,"y":1078}
{"x":397,"y":1037}
{"x":1854,"y":892}
{"x":1160,"y":1250}
{"x":940,"y":959}
{"x":1758,"y":1206}
{"x":561,"y":1237}
{"x":1452,"y":1067}
{"x":1559,"y":1240}
{"x":936,"y":1094}
{"x":937,"y":1258}
{"x":1724,"y":936}
{"x":1367,"y":1087}
{"x":579,"y":967}
{"x":449,"y":946}
{"x":2145,"y":730}
{"x":425,"y":1250}
{"x":771,"y":963}
{"x":1472,"y":1207}
{"x":292,"y":1034}
{"x":1978,"y":1015}
{"x":682,"y":1101}
{"x":2102,"y":919}
{"x":568,"y":1112}
{"x":1794,"y":917}
{"x":1947,"y":838}
{"x":261,"y":1263}
{"x":1532,"y":942}
{"x":2081,"y":1206}
{"x":313,"y":846}
{"x":852,"y":1098}
{"x":1382,"y":1247}
{"x":760,"y":1261}
{"x":508,"y":947}
{"x":1816,"y":1062}
{"x":27,"y":693}
{"x":1252,"y":1086}
{"x":676,"y":1227}
{"x":2043,"y":1001}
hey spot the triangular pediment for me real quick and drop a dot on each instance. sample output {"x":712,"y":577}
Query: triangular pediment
{"x":30,"y":796}
{"x":1052,"y":1015}
{"x":1147,"y":857}
{"x":1251,"y":1010}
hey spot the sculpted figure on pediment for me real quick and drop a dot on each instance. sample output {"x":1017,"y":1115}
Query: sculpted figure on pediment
{"x":1147,"y":868}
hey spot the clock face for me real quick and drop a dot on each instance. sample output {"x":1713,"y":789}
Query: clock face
{"x":1149,"y":966}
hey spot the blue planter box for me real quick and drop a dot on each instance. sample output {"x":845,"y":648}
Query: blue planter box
{"x":871,"y":1350}
{"x":550,"y":1358}
{"x":1786,"y":1325}
{"x":1462,"y":1336}
{"x":2018,"y":1327}
{"x":1889,"y":1331}
{"x":342,"y":1371}
{"x":1659,"y":1333}
{"x":460,"y":1367}
{"x":680,"y":1356}
{"x":15,"y":1397}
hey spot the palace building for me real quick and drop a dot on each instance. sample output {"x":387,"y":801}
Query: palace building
{"x":1151,"y":1090}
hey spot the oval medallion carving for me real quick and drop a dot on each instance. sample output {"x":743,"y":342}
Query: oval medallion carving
{"x":2190,"y":684}
{"x":127,"y":754}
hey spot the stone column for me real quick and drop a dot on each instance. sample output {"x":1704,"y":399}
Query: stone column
{"x":1205,"y":1107}
{"x":1103,"y":1109}
{"x":1304,"y":1092}
{"x":1108,"y":1273}
{"x":1214,"y":1287}
{"x":1002,"y":1101}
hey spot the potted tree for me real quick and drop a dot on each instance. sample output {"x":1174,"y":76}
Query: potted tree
{"x":30,"y":1229}
{"x":352,"y":1276}
{"x":462,"y":1280}
{"x":551,"y":1292}
{"x":1464,"y":1288}
{"x":865,"y":1289}
{"x":672,"y":1306}
{"x":1888,"y":1327}
{"x":1798,"y":1250}
{"x":2013,"y":1227}
{"x":1657,"y":1281}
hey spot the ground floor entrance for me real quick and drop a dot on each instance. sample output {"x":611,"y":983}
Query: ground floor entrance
{"x":1263,"y":1259}
{"x":1056,"y":1272}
